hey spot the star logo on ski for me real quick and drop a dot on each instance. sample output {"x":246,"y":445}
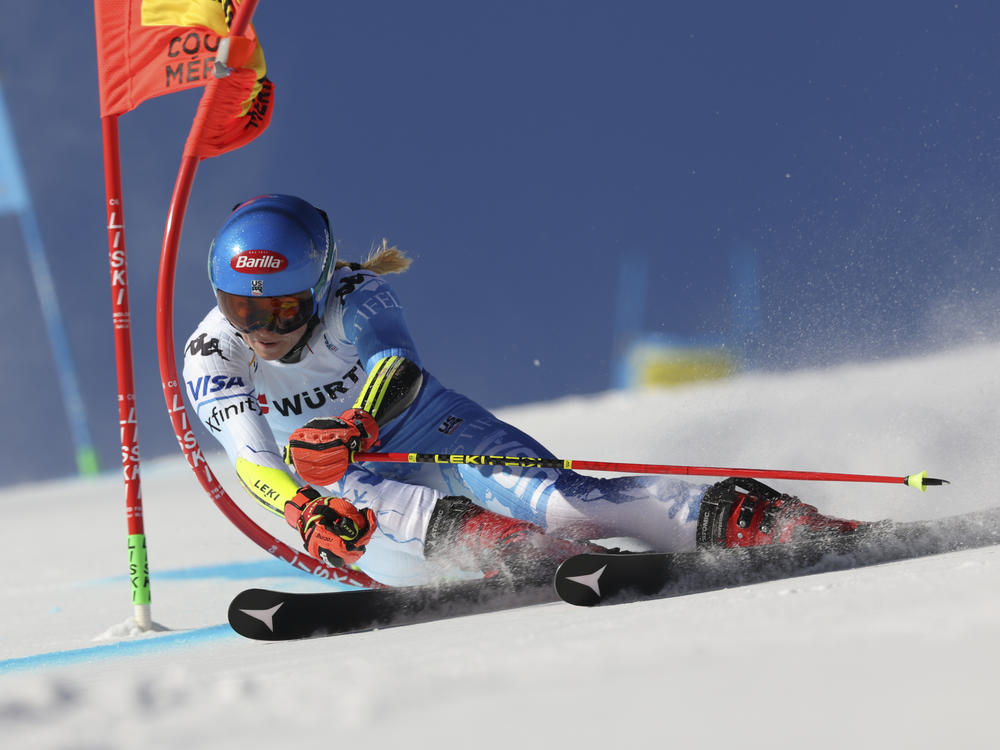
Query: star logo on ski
{"x":266,"y":616}
{"x":591,"y":580}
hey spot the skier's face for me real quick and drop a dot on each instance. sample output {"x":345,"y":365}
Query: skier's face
{"x":270,"y":345}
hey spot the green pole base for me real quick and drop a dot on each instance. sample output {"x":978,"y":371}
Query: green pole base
{"x":138,"y":569}
{"x":86,"y":462}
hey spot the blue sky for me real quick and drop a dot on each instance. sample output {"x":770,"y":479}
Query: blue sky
{"x":519,"y":151}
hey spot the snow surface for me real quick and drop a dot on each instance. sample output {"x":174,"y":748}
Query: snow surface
{"x":900,"y":655}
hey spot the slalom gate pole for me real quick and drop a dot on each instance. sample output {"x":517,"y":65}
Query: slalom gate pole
{"x":14,"y":196}
{"x":920,"y":481}
{"x":172,"y":389}
{"x":127,"y":420}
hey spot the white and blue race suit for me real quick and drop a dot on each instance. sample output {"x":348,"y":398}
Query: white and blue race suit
{"x":251,"y":406}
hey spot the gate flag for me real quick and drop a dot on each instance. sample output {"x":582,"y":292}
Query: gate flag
{"x":147,"y":48}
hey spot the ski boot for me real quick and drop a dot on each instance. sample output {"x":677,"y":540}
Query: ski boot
{"x":463,"y":535}
{"x":741,"y":512}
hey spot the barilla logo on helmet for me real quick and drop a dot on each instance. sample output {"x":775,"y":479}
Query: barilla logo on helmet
{"x":258,"y":261}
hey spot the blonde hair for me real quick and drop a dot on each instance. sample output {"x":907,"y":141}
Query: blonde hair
{"x":382,"y":259}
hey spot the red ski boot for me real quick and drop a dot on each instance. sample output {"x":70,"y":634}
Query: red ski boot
{"x":472,"y":538}
{"x":747,"y":513}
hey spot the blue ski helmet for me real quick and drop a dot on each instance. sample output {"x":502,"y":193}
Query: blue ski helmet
{"x":271,"y":263}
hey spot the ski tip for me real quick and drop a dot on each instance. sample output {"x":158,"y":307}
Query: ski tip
{"x":577,"y":581}
{"x":921,"y":481}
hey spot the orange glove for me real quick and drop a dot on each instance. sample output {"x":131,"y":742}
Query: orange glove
{"x":322,"y":450}
{"x":332,"y":529}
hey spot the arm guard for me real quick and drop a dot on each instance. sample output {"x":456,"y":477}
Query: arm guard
{"x":391,"y":387}
{"x":269,"y":486}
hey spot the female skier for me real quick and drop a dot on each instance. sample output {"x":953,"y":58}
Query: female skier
{"x":307,"y":359}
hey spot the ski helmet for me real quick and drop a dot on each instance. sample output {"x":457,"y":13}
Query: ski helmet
{"x":271,"y":263}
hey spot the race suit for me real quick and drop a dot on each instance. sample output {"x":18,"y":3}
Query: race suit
{"x":350,"y":358}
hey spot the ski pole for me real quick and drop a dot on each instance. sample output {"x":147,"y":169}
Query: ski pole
{"x":920,"y":481}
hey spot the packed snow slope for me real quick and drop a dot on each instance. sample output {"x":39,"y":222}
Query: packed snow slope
{"x":899,"y":655}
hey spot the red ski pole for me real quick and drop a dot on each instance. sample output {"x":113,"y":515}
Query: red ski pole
{"x":920,"y":481}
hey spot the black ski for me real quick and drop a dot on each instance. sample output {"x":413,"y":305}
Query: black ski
{"x":278,"y":616}
{"x":607,"y":578}
{"x":590,"y":579}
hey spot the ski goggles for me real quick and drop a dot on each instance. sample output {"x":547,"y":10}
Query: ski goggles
{"x":278,"y":314}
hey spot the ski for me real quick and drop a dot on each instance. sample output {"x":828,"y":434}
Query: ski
{"x":602,"y":578}
{"x":262,"y":614}
{"x":607,"y":578}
